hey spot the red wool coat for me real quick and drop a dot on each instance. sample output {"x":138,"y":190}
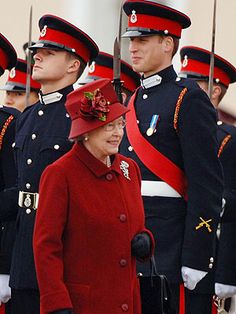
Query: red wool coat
{"x":86,"y":219}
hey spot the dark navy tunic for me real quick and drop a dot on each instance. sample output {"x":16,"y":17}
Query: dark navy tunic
{"x":226,"y":258}
{"x":41,"y":138}
{"x":193,"y":148}
{"x":8,"y":176}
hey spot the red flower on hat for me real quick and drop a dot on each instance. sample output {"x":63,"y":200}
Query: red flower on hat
{"x":94,"y":105}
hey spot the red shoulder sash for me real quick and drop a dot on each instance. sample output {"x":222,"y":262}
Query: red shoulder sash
{"x":154,"y":160}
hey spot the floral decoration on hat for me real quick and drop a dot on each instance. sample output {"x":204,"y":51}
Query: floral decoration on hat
{"x":94,"y":105}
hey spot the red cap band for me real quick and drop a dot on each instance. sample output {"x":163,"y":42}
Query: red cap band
{"x":156,"y":23}
{"x":103,"y":71}
{"x":203,"y":69}
{"x":66,"y":40}
{"x":21,"y":77}
{"x":3,"y":59}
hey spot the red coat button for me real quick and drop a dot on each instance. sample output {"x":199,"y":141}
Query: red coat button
{"x":123,"y":217}
{"x":125,"y":307}
{"x":123,"y":262}
{"x":109,"y":176}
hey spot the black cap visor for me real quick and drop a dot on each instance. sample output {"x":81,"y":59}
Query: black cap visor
{"x":141,"y":32}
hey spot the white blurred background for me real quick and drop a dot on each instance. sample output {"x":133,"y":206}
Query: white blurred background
{"x":99,"y":18}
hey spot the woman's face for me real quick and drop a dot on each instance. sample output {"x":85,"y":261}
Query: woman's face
{"x":104,"y":141}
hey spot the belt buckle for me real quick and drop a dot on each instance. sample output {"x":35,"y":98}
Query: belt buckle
{"x":28,"y":200}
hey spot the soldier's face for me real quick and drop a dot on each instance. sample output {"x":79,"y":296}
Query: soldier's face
{"x":147,"y":54}
{"x":17,"y":99}
{"x":50,"y":65}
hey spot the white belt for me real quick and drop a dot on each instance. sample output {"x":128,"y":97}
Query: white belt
{"x":158,"y":188}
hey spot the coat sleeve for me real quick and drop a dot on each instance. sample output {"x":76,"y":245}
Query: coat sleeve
{"x":197,"y":134}
{"x":47,"y":243}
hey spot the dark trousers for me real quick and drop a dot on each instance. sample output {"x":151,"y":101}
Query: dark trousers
{"x":194,"y":303}
{"x":25,"y":301}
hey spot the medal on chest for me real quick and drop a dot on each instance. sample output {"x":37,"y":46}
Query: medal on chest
{"x":153,"y":124}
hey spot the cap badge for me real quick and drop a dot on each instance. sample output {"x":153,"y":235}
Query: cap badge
{"x":43,"y":31}
{"x":185,"y":61}
{"x":133,"y":17}
{"x":92,"y":67}
{"x":124,"y":168}
{"x":12,"y":73}
{"x":204,"y":223}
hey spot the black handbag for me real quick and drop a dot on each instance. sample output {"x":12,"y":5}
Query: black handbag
{"x":155,"y":292}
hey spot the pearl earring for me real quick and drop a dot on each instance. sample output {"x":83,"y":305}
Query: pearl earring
{"x":86,"y":138}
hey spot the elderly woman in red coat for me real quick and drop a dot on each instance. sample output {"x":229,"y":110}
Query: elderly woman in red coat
{"x":90,"y":221}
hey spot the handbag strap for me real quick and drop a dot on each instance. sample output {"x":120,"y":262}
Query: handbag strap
{"x":164,"y":282}
{"x":153,"y":266}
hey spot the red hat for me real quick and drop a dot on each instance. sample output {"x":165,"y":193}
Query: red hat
{"x":59,"y":34}
{"x":7,"y":55}
{"x":102,"y":67}
{"x":196,"y":65}
{"x":92,"y":106}
{"x":17,"y":78}
{"x":149,"y":18}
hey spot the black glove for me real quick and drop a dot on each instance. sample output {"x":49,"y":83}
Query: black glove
{"x":63,"y":312}
{"x":141,"y":245}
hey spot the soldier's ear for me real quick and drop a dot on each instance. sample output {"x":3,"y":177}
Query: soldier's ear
{"x":74,"y":65}
{"x":216,"y":92}
{"x":168,"y":44}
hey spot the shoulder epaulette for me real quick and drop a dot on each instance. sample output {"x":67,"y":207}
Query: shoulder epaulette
{"x":223,"y":143}
{"x":177,"y":107}
{"x":4,"y":128}
{"x":228,"y":132}
{"x":9,"y":111}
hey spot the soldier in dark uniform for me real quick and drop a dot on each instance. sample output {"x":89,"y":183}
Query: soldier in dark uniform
{"x":60,"y":56}
{"x":15,"y":87}
{"x":7,"y":175}
{"x":196,"y":65}
{"x":102,"y":67}
{"x":171,"y":134}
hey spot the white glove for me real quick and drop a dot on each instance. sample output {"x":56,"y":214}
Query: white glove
{"x":191,"y":276}
{"x":5,"y":290}
{"x":224,"y":291}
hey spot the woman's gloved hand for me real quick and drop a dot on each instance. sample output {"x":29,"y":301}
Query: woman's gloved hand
{"x":141,"y":246}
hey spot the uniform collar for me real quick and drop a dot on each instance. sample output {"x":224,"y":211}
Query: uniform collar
{"x":159,"y":78}
{"x":47,"y":99}
{"x":95,"y":165}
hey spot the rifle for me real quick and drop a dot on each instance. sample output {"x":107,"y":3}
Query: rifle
{"x":212,"y":61}
{"x":117,"y":83}
{"x":29,"y":60}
